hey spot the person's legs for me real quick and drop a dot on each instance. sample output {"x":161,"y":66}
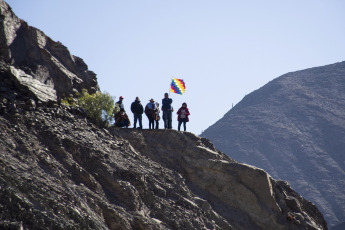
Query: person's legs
{"x":184,"y":125}
{"x":169,"y":120}
{"x":135,"y":120}
{"x":165,"y":119}
{"x":179,"y":125}
{"x":151,"y":123}
{"x":140,"y":118}
{"x":126,"y":123}
{"x":157,"y":124}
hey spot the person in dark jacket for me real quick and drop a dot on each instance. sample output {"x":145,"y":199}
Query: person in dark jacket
{"x":150,"y":111}
{"x":167,"y":111}
{"x":137,"y":109}
{"x":183,"y":114}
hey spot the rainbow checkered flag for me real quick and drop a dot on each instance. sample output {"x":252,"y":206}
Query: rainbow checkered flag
{"x":177,"y":86}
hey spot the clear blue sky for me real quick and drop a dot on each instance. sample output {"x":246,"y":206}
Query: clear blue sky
{"x":222,"y":49}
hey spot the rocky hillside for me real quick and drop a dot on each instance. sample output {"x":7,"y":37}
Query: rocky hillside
{"x":34,"y":65}
{"x":59,"y":171}
{"x":294,"y":128}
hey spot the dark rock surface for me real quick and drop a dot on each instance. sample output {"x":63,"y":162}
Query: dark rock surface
{"x":33,"y":64}
{"x":58,"y":171}
{"x":294,"y":128}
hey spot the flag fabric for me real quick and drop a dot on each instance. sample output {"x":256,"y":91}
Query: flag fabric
{"x":177,"y":86}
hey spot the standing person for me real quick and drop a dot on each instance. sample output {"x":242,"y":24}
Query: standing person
{"x":157,"y":115}
{"x":118,"y":106}
{"x":137,"y":110}
{"x":167,"y":111}
{"x":183,"y":114}
{"x":150,"y":111}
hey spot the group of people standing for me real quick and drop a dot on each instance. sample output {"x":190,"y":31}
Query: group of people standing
{"x":152,"y":112}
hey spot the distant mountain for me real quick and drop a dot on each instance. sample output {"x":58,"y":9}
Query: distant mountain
{"x":340,"y":226}
{"x":294,"y":128}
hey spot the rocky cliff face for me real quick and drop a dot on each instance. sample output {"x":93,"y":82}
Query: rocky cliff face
{"x":59,"y":171}
{"x":294,"y":128}
{"x":33,"y":64}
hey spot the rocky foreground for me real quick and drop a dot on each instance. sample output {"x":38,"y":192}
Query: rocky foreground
{"x":59,"y":171}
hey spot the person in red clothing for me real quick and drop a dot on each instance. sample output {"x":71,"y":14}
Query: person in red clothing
{"x":183,"y":114}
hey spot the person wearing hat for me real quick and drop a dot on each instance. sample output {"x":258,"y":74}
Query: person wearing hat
{"x":150,"y":111}
{"x":137,"y":109}
{"x":118,"y":106}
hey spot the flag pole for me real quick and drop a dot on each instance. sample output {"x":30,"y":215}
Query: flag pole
{"x":170,"y":85}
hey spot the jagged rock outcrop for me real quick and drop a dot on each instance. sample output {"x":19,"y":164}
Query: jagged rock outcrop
{"x":58,"y":171}
{"x":294,"y":128}
{"x":33,"y":64}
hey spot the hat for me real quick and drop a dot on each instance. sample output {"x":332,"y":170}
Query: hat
{"x":151,"y":100}
{"x":121,"y":97}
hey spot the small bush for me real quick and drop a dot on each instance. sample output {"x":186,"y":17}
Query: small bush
{"x":99,"y":107}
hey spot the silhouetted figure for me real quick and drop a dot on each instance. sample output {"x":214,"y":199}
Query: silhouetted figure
{"x":137,"y":109}
{"x":167,"y":111}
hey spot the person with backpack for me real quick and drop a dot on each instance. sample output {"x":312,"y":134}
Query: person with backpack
{"x":167,"y":111}
{"x":137,"y":110}
{"x":118,"y":106}
{"x":150,"y":111}
{"x":183,"y":114}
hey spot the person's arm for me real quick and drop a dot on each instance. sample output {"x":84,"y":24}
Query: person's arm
{"x":187,"y":112}
{"x":132,"y":107}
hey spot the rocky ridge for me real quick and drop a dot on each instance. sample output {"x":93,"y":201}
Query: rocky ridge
{"x":59,"y":171}
{"x":32,"y":64}
{"x":294,"y":128}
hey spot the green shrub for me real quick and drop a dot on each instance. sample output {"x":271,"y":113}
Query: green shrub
{"x":99,"y":107}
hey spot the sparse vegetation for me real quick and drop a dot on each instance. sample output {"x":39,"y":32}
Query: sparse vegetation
{"x":99,"y":106}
